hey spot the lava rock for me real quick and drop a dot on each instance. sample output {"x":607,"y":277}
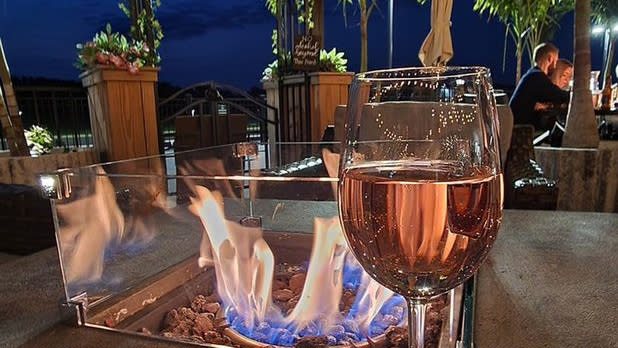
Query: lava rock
{"x":312,"y":342}
{"x":397,"y":336}
{"x":279,"y":284}
{"x":297,"y":282}
{"x":199,"y":303}
{"x":283,"y":295}
{"x":212,"y":307}
{"x":202,"y":325}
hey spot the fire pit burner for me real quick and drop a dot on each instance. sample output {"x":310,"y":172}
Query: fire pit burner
{"x":204,"y":322}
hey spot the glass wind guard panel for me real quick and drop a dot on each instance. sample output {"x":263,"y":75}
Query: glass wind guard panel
{"x":126,"y":224}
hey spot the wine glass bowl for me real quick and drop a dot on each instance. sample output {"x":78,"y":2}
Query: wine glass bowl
{"x":420,"y":192}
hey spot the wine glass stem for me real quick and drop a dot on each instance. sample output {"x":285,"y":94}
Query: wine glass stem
{"x":416,"y":323}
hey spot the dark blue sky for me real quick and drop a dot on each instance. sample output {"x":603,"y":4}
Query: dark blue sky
{"x":229,"y":41}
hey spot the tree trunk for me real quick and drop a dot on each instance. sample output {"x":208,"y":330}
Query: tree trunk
{"x":519,"y":51}
{"x":134,"y":8}
{"x":581,"y":128}
{"x":607,"y":70}
{"x":363,"y":30}
{"x":9,"y":113}
{"x":318,"y":21}
{"x":150,"y":39}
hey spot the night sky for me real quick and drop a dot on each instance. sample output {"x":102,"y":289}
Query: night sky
{"x":229,"y":41}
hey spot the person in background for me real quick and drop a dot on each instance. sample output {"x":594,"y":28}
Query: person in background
{"x":536,"y":87}
{"x":561,"y":75}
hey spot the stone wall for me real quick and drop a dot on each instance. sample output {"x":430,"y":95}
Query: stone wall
{"x":587,"y":179}
{"x":23,"y":170}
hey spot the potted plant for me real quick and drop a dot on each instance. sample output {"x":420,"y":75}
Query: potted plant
{"x":39,"y":140}
{"x":328,"y":88}
{"x":120,"y":74}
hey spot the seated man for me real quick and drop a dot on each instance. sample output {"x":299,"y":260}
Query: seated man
{"x":536,"y":87}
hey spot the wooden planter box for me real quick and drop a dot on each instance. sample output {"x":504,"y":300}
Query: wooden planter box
{"x":123,"y":114}
{"x":327,"y":90}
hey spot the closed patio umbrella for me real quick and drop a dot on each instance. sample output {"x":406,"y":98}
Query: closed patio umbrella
{"x":437,"y":49}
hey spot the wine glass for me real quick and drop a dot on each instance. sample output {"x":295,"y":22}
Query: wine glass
{"x":420,"y":189}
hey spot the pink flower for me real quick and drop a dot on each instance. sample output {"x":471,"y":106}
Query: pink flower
{"x":102,"y":58}
{"x":117,"y":61}
{"x":132,"y":68}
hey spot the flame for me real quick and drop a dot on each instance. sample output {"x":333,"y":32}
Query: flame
{"x":244,"y":268}
{"x":244,"y":264}
{"x":324,"y":276}
{"x":432,"y":220}
{"x":372,"y":297}
{"x":207,"y":167}
{"x":89,"y":225}
{"x":94,"y":223}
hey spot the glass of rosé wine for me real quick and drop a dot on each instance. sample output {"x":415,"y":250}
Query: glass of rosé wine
{"x":420,"y":189}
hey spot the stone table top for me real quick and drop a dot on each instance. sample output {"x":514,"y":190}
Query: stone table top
{"x":550,"y":281}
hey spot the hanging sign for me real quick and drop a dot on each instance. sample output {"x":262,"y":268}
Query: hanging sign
{"x":306,"y":54}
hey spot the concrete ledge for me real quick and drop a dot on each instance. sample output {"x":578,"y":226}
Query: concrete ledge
{"x":529,"y":291}
{"x":23,"y":170}
{"x":587,"y":178}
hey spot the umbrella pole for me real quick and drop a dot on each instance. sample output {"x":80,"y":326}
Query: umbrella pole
{"x":390,"y":33}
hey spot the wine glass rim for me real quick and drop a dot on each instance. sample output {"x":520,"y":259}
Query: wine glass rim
{"x":444,"y":72}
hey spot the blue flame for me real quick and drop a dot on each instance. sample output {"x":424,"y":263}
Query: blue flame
{"x":274,"y":331}
{"x":352,"y":273}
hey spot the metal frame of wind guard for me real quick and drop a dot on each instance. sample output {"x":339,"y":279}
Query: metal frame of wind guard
{"x":136,"y":306}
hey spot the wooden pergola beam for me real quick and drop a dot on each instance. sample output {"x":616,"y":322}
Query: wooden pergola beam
{"x":12,"y":126}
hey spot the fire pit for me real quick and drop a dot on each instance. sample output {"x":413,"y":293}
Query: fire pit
{"x":237,"y":245}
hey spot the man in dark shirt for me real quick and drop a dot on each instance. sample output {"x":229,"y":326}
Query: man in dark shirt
{"x":536,"y":87}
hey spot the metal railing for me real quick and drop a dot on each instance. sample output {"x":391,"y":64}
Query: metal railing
{"x":219,"y":113}
{"x":62,"y":110}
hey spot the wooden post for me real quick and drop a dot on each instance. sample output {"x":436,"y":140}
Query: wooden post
{"x":122,"y":112}
{"x":12,"y":126}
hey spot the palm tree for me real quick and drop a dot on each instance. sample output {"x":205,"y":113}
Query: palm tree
{"x":365,"y":7}
{"x":526,"y":21}
{"x":9,"y":112}
{"x":581,"y":127}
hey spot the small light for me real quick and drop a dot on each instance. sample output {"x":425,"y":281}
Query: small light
{"x":598,"y":29}
{"x":615,"y":28}
{"x":48,"y":182}
{"x":424,"y":289}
